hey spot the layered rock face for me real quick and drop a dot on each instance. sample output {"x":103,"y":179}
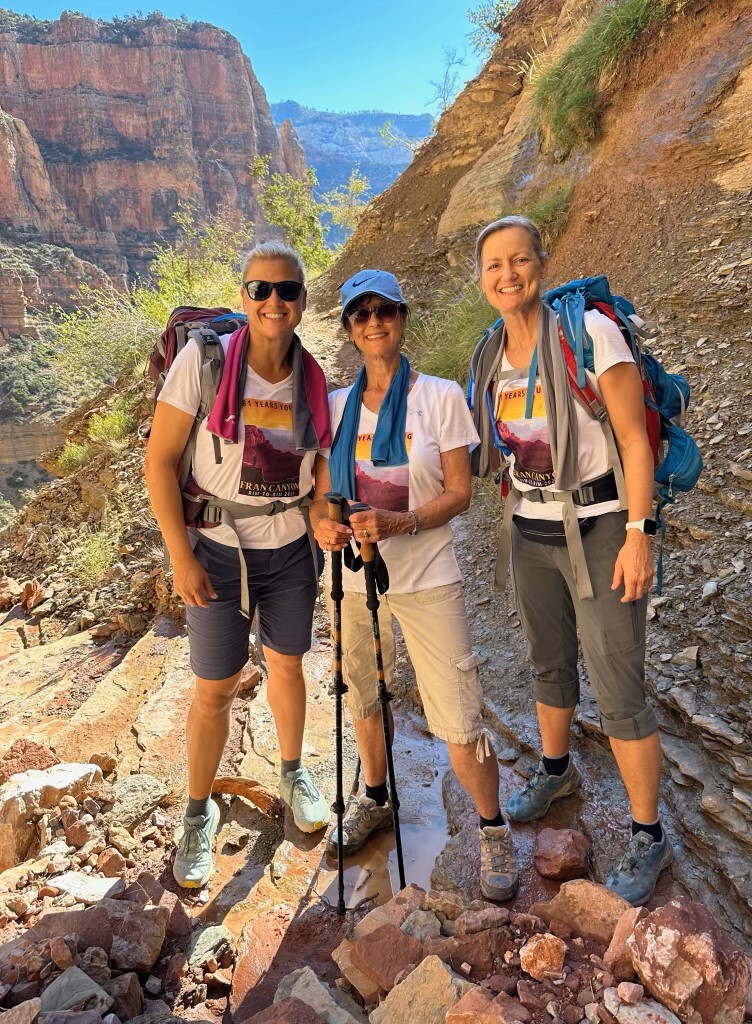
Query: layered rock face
{"x":661,"y":202}
{"x":107,"y":127}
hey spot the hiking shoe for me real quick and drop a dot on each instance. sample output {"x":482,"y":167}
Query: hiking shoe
{"x":635,"y":875}
{"x":192,"y":866}
{"x":534,"y":799}
{"x":499,"y":874}
{"x":308,"y":807}
{"x":361,"y":819}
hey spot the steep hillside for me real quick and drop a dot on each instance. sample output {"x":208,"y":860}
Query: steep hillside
{"x":104,"y":127}
{"x":661,"y":201}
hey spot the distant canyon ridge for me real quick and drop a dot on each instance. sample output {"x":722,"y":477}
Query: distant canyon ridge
{"x":106,"y":126}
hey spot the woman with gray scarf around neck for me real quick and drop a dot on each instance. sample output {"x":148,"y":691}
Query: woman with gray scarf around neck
{"x":580,"y":558}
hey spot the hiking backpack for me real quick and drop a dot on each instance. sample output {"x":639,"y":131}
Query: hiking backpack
{"x":676,"y":456}
{"x":204,"y":327}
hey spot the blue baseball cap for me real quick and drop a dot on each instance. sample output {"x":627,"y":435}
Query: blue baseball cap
{"x":370,"y":282}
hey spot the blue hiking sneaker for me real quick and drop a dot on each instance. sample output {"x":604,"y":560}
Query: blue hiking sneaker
{"x":309,"y":808}
{"x":636,"y":874}
{"x":193,"y":858}
{"x":534,"y":799}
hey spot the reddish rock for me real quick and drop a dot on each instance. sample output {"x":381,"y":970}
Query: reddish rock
{"x":572,"y":1014}
{"x":22,"y":755}
{"x":503,"y":983}
{"x":138,"y":937}
{"x":591,"y":910}
{"x":179,"y":924}
{"x":177,"y":968}
{"x":26,"y":1012}
{"x":541,"y":954}
{"x":10,"y":589}
{"x":111,"y":863}
{"x":60,"y":953}
{"x":395,"y":912}
{"x":446,"y":905}
{"x":560,"y":928}
{"x":475,"y":1007}
{"x":617,"y":957}
{"x":687,"y":962}
{"x":80,"y":833}
{"x":361,"y":982}
{"x":630,"y":993}
{"x":528,"y":996}
{"x":528,"y":924}
{"x":287,"y":1011}
{"x":562,"y":854}
{"x":127,"y":995}
{"x":513,"y":1009}
{"x":384,"y":952}
{"x":480,"y":950}
{"x":471,"y":921}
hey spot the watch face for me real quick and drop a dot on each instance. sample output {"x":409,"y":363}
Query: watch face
{"x":650,"y":527}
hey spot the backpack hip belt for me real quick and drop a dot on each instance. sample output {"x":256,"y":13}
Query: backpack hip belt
{"x":226,"y":512}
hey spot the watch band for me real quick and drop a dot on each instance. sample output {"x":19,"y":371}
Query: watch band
{"x":647,"y":526}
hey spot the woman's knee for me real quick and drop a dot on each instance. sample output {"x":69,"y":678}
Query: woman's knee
{"x":287,"y":668}
{"x":213,"y":698}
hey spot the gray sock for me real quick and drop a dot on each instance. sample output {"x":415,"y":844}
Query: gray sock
{"x":196,"y":807}
{"x":289,"y":766}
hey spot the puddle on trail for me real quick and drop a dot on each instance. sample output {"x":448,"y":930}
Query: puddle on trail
{"x":372,"y":873}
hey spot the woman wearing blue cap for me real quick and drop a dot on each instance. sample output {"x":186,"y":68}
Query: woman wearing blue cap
{"x":402,"y":444}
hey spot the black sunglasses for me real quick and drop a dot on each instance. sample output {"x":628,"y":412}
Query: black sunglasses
{"x":288,"y":291}
{"x":386,"y":312}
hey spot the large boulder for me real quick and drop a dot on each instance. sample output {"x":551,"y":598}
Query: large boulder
{"x":685,"y":960}
{"x":424,"y":996}
{"x":590,"y":910}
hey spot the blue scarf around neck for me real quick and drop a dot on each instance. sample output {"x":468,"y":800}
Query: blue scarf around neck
{"x":388,"y":445}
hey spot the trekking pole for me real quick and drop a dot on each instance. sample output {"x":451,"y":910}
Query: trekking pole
{"x":334,"y":504}
{"x":368,"y":554}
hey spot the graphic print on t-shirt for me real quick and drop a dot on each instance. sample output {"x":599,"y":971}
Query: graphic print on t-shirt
{"x":381,"y":486}
{"x":527,"y":439}
{"x":271,"y":464}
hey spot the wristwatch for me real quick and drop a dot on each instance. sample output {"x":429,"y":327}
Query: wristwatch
{"x":648,"y":526}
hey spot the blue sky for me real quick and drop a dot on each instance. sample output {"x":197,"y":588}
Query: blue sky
{"x":331,"y":54}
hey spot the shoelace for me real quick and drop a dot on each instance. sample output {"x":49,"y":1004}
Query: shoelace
{"x":537,"y":779}
{"x":483,"y":747}
{"x":307,"y":788}
{"x":636,"y":851}
{"x":194,"y":840}
{"x":499,"y":854}
{"x":362,"y":816}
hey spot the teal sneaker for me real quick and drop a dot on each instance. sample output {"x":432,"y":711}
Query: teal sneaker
{"x":193,"y":863}
{"x":308,"y":807}
{"x":534,"y":799}
{"x":635,"y":876}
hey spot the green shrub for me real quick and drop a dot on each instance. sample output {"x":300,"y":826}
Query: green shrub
{"x":7,"y":513}
{"x":441,"y":342}
{"x":113,"y":425}
{"x":549,"y":211}
{"x":97,"y":553}
{"x":72,"y":456}
{"x":565,"y":95}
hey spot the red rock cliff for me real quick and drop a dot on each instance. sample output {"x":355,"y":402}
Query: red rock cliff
{"x":110,"y":126}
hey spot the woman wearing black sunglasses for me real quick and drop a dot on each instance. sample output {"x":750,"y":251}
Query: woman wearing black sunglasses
{"x":256,"y":457}
{"x":401,"y":445}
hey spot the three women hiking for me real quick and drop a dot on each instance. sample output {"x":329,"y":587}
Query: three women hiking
{"x":400,"y":442}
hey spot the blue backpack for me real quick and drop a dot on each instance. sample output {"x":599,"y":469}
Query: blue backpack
{"x":677,"y":458}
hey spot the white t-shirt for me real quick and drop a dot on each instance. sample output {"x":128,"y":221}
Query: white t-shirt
{"x":438,"y":421}
{"x":530,"y":464}
{"x":264,"y":466}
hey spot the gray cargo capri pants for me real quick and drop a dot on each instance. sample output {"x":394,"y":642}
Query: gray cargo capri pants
{"x":612,"y":633}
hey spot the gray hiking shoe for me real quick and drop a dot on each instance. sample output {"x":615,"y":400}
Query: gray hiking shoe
{"x":499,"y":874}
{"x":192,"y":867}
{"x":361,"y":819}
{"x":534,"y":799}
{"x":635,"y":876}
{"x":309,"y":809}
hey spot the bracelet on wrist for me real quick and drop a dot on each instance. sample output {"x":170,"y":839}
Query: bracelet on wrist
{"x":416,"y":524}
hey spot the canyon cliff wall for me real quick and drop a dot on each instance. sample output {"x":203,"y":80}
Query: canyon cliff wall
{"x":104,"y":128}
{"x":661,"y":201}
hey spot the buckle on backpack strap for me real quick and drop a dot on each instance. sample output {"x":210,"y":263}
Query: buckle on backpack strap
{"x":585,"y":496}
{"x":277,"y":506}
{"x":212,"y":514}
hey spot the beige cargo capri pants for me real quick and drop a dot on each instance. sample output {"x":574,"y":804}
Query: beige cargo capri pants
{"x":434,"y":625}
{"x":612,"y":633}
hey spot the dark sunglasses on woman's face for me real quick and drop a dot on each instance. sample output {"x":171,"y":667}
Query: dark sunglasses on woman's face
{"x":288,"y":291}
{"x":387,"y":312}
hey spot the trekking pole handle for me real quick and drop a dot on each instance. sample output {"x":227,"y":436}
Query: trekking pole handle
{"x":367,"y":548}
{"x":334,"y":506}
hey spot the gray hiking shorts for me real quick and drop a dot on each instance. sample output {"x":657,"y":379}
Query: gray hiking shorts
{"x":283,"y":587}
{"x":612,"y":634}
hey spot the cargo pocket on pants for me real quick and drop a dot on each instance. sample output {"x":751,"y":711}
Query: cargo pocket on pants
{"x":468,"y":688}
